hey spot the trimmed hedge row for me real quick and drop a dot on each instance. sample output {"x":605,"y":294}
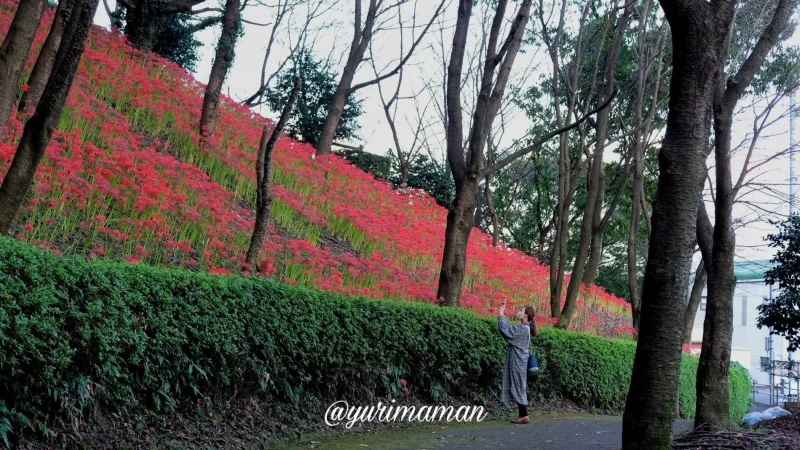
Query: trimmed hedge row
{"x":595,"y":372}
{"x":80,"y":338}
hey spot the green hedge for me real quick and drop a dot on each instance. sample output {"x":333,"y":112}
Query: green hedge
{"x":78,"y":338}
{"x":595,"y":372}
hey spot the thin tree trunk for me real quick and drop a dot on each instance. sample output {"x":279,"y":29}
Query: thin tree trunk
{"x":558,"y":253}
{"x":479,"y":198}
{"x":404,"y":174}
{"x":14,"y":53}
{"x":328,"y":131}
{"x":46,"y":59}
{"x":39,"y":129}
{"x":336,"y":108}
{"x":694,"y":302}
{"x":713,"y":402}
{"x":638,"y":173}
{"x":263,"y":171}
{"x":222,"y":63}
{"x":649,"y":411}
{"x":633,"y":273}
{"x":492,"y":212}
{"x":596,"y":241}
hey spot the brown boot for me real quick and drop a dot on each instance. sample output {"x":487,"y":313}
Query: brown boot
{"x":521,"y":420}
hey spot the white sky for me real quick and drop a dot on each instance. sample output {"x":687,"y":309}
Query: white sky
{"x":425,"y":67}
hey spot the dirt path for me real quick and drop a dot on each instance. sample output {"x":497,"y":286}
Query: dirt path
{"x":546,"y":431}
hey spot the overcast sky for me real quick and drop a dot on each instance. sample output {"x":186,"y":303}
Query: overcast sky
{"x":767,"y":200}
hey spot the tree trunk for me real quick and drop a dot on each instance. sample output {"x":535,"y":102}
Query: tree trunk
{"x":46,"y":59}
{"x":492,"y":213}
{"x":14,"y":53}
{"x":573,"y":289}
{"x":39,"y":129}
{"x":404,"y":175}
{"x":713,"y":402}
{"x":649,"y":411}
{"x":596,"y":245}
{"x":558,"y":254}
{"x":461,"y":213}
{"x":694,"y":302}
{"x":336,"y":108}
{"x":460,"y":220}
{"x":361,"y":38}
{"x":263,"y":171}
{"x":138,"y":24}
{"x":222,"y":63}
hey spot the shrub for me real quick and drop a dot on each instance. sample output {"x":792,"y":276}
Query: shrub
{"x":595,"y":372}
{"x":80,"y":337}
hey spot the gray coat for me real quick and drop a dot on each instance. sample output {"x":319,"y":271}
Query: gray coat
{"x":515,"y":371}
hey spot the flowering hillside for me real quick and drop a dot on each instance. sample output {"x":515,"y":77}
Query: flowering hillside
{"x":126,"y":176}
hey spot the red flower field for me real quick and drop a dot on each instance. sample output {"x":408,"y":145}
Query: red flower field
{"x":126,"y":177}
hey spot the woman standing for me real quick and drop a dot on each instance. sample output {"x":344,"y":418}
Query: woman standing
{"x":515,"y":371}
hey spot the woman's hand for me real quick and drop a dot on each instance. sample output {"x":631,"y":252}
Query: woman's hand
{"x":502,"y":308}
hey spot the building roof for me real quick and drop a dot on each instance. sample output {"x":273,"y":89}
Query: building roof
{"x":749,"y":270}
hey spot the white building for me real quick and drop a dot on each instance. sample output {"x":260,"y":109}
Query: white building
{"x":751,"y":345}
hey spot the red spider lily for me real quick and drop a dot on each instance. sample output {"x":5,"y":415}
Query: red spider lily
{"x":126,"y":174}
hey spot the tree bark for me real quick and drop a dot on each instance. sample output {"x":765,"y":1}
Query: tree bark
{"x":263,"y":171}
{"x":46,"y":59}
{"x":14,"y":53}
{"x":713,"y":402}
{"x":222,"y":63}
{"x":39,"y":129}
{"x":649,"y":411}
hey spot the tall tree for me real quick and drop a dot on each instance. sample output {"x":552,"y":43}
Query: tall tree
{"x":14,"y":53}
{"x":600,"y":219}
{"x":461,"y":216}
{"x":642,"y":124}
{"x":593,"y":219}
{"x":39,"y":129}
{"x":47,"y":57}
{"x":362,"y":36}
{"x":231,"y":23}
{"x":717,"y":243}
{"x":470,"y":170}
{"x":699,"y":29}
{"x":263,"y":171}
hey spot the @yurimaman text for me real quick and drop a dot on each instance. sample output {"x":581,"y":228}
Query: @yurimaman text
{"x":342,"y":413}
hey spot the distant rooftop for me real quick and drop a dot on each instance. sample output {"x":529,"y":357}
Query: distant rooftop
{"x":749,"y":270}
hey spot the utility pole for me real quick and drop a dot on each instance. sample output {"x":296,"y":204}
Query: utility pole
{"x":794,"y":112}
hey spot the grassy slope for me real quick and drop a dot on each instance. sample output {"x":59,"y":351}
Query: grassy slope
{"x":126,"y":176}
